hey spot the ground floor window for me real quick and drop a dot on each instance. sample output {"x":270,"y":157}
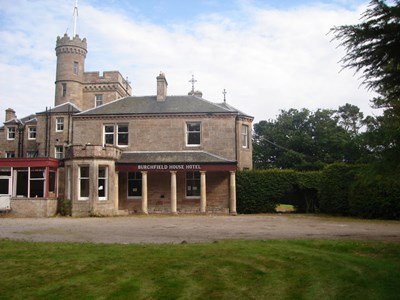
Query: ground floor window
{"x":103,"y":183}
{"x":37,"y":181}
{"x":134,"y":184}
{"x":83,"y":182}
{"x":193,"y":184}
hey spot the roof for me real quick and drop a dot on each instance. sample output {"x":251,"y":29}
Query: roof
{"x":150,"y":105}
{"x":25,"y":120}
{"x":67,"y":107}
{"x":165,"y":157}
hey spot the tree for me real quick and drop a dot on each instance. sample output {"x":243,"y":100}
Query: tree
{"x":303,"y":140}
{"x":350,"y":118}
{"x":373,"y":49}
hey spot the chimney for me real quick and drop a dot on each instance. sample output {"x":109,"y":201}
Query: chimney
{"x":162,"y":85}
{"x":10,"y":114}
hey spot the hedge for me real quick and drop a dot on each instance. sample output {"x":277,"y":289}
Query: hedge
{"x":261,"y":191}
{"x":375,"y":198}
{"x":336,"y":180}
{"x":339,"y":189}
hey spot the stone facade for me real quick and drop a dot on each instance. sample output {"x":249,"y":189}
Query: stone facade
{"x":197,"y":146}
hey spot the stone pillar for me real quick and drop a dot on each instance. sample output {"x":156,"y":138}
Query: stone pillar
{"x":173,"y":192}
{"x":232,"y":194}
{"x":203,"y":189}
{"x":144,"y":192}
{"x":116,"y":183}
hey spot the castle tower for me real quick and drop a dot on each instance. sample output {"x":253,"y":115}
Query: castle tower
{"x":71,"y":54}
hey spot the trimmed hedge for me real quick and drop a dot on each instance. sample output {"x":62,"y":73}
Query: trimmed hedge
{"x":261,"y":191}
{"x":376,"y":198}
{"x":338,"y":189}
{"x":334,"y":189}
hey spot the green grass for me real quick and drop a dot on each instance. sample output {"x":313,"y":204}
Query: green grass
{"x":223,"y":270}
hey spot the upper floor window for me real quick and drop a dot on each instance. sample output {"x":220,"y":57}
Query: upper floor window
{"x":99,"y":99}
{"x":193,"y":133}
{"x":60,"y":124}
{"x":134,"y":184}
{"x":103,"y":183}
{"x":32,"y":133}
{"x":59,"y":152}
{"x":64,"y":89}
{"x":193,"y":184}
{"x":76,"y":67}
{"x":116,"y":134}
{"x":245,"y":136}
{"x":11,"y":133}
{"x":10,"y":154}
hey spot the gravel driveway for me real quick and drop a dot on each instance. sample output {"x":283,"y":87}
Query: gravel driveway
{"x":192,"y":229}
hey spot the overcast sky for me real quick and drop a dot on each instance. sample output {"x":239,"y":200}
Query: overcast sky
{"x":268,"y":55}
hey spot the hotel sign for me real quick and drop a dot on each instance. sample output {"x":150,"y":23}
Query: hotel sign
{"x":169,"y":167}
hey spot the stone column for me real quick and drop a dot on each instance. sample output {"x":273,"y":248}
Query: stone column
{"x":144,"y":192}
{"x":232,"y":194}
{"x":173,"y":192}
{"x":203,"y":199}
{"x":116,"y":183}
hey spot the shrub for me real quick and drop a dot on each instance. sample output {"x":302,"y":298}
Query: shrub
{"x":64,"y":207}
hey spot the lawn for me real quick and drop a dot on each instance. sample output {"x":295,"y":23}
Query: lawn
{"x":223,"y":270}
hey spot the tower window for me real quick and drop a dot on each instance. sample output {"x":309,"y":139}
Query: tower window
{"x":64,"y":89}
{"x":99,"y":99}
{"x":76,"y":67}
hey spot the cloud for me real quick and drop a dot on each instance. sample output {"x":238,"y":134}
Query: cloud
{"x":267,"y":59}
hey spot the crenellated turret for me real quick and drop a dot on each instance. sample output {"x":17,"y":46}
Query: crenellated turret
{"x":71,"y":54}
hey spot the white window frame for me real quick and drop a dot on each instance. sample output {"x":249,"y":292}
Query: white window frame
{"x":13,"y":131}
{"x":122,"y":132}
{"x":187,"y":133}
{"x":59,"y":124}
{"x":59,"y":152}
{"x":98,"y":98}
{"x":105,"y":178}
{"x":245,"y":136}
{"x":10,"y":154}
{"x":31,"y":132}
{"x":116,"y":134}
{"x":80,"y":197}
